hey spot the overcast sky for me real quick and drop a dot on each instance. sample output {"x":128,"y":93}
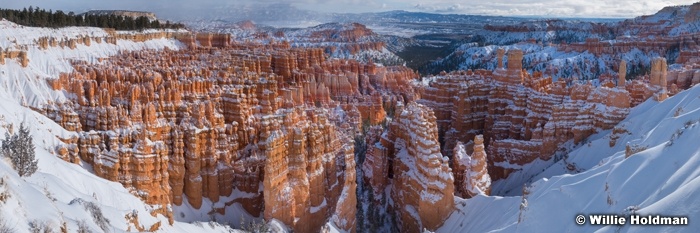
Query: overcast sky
{"x":546,"y":8}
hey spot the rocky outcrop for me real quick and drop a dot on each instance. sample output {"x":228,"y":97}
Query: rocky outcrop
{"x":301,"y":182}
{"x":409,"y":155}
{"x":661,"y":44}
{"x":659,"y":77}
{"x":693,"y":13}
{"x":376,"y":168}
{"x":622,"y":74}
{"x":471,"y":174}
{"x":523,"y":117}
{"x":424,"y":185}
{"x":204,"y":40}
{"x":658,"y":72}
{"x":125,"y":13}
{"x":23,"y":59}
{"x":352,"y":32}
{"x":684,"y":76}
{"x":112,"y":37}
{"x":656,"y":84}
{"x":2,"y":56}
{"x":268,"y":127}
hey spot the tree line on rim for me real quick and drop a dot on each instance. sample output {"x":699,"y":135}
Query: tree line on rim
{"x":36,"y":17}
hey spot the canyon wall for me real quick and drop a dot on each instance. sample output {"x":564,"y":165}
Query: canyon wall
{"x":522,"y":116}
{"x":409,"y":155}
{"x":270,"y":127}
{"x":265,"y":126}
{"x":506,"y":117}
{"x":661,"y":44}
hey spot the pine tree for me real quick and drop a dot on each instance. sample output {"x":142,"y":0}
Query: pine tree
{"x":37,"y":17}
{"x":20,"y":149}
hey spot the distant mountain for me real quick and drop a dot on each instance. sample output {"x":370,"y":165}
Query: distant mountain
{"x":669,"y":25}
{"x":672,"y":21}
{"x":286,"y":15}
{"x":258,"y":13}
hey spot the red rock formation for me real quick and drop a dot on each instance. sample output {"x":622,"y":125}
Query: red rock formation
{"x":294,"y":187}
{"x":523,"y":117}
{"x":264,"y":120}
{"x":2,"y":56}
{"x":684,"y":77}
{"x":344,"y":33}
{"x":23,"y":58}
{"x":622,"y":74}
{"x":187,"y":39}
{"x":471,"y":175}
{"x":221,"y":40}
{"x":500,"y":52}
{"x":661,"y":44}
{"x":203,"y":40}
{"x":657,"y":83}
{"x":376,"y":166}
{"x":658,"y":70}
{"x":423,"y":185}
{"x":182,"y":126}
{"x":423,"y":182}
{"x":639,"y":91}
{"x":246,"y":25}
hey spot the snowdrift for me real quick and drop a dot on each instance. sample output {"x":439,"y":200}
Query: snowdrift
{"x":652,"y":169}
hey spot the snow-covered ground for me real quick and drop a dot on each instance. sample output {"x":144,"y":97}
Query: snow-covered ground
{"x":28,"y":86}
{"x":302,"y":35}
{"x":51,"y":197}
{"x":661,"y":179}
{"x":550,"y":60}
{"x":59,"y":193}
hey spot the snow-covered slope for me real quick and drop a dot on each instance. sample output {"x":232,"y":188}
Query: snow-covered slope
{"x":340,"y":36}
{"x":662,"y":178}
{"x":28,"y":85}
{"x":550,"y":60}
{"x":672,"y":20}
{"x":59,"y":192}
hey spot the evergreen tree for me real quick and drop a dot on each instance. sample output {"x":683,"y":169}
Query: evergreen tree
{"x":37,"y":17}
{"x":20,"y":149}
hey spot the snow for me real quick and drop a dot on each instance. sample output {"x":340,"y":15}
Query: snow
{"x":15,"y":35}
{"x":28,"y":85}
{"x":302,"y":35}
{"x":233,"y":216}
{"x":543,"y":58}
{"x":395,"y":31}
{"x":663,"y":179}
{"x":315,"y":209}
{"x":45,"y":197}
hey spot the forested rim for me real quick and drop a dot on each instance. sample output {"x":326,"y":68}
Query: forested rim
{"x":36,"y":17}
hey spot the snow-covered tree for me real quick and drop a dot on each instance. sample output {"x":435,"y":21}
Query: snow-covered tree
{"x":20,"y":149}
